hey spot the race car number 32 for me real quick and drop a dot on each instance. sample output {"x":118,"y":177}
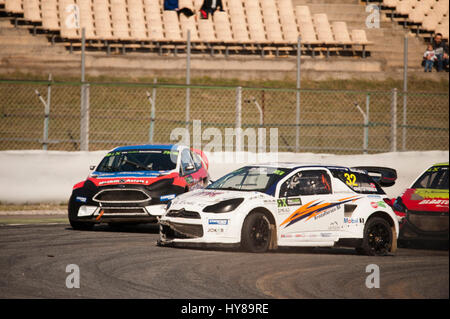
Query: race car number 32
{"x":350,"y":179}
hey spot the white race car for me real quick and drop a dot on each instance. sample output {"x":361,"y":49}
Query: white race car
{"x":262,"y":207}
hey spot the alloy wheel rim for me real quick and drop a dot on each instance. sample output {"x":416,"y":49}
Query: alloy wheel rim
{"x":260,"y":232}
{"x":379,"y":239}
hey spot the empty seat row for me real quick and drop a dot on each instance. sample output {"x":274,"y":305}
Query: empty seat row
{"x":256,"y":21}
{"x":431,"y":15}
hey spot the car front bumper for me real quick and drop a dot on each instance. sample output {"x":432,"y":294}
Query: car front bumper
{"x":424,"y":226}
{"x":98,"y":214}
{"x":204,"y":230}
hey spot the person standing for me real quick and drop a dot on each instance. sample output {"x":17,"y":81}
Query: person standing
{"x":429,"y":57}
{"x":209,"y":7}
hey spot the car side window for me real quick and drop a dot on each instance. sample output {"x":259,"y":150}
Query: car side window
{"x":187,"y":164}
{"x":314,"y":182}
{"x":434,"y":178}
{"x":197,"y":160}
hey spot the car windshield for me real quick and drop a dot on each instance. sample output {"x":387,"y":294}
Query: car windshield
{"x":250,"y":178}
{"x":138,"y":160}
{"x":435,"y":177}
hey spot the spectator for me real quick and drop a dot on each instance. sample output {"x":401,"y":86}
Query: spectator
{"x":441,"y":51}
{"x":209,"y":7}
{"x":429,"y":57}
{"x":173,"y":5}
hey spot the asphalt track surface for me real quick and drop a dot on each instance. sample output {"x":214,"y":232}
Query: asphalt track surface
{"x":127,"y":263}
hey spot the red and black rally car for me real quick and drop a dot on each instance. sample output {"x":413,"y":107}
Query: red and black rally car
{"x":135,"y":183}
{"x":423,"y":209}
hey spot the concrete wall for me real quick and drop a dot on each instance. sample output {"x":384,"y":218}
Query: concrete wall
{"x":42,"y":177}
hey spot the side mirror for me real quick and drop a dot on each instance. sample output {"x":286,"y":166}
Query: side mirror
{"x":92,"y":167}
{"x":190,"y":167}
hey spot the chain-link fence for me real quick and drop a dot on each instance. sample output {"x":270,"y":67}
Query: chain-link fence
{"x":47,"y":115}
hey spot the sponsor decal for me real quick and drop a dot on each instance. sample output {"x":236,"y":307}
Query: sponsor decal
{"x":364,"y":189}
{"x":328,"y":211}
{"x":380,"y":203}
{"x":314,"y":208}
{"x":333,"y":226}
{"x":430,"y":194}
{"x":294,"y":201}
{"x":123,"y":181}
{"x":348,"y":220}
{"x":215,"y":230}
{"x":218,"y":221}
{"x":326,"y":234}
{"x":210,"y":194}
{"x":444,"y":202}
{"x":167,"y":197}
{"x":289,"y":201}
{"x":81,"y":199}
{"x":282,"y":202}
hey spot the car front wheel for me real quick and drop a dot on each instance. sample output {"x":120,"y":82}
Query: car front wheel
{"x":77,"y":225}
{"x":255,"y":235}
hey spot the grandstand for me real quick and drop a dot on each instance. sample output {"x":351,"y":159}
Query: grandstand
{"x":426,"y":17}
{"x":131,"y":30}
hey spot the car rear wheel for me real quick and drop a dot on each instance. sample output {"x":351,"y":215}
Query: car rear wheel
{"x":255,"y":236}
{"x":377,"y":239}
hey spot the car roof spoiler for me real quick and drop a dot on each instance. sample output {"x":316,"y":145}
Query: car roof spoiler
{"x":384,"y":176}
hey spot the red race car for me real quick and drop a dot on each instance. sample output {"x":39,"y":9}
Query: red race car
{"x":135,"y":183}
{"x":423,"y":208}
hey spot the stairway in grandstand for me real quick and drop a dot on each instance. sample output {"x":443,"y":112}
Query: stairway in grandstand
{"x":32,"y":31}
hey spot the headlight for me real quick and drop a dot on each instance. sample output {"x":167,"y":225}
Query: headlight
{"x":224,"y":206}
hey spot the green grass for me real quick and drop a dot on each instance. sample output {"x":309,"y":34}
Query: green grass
{"x":414,"y":84}
{"x":38,"y":220}
{"x":32,"y":207}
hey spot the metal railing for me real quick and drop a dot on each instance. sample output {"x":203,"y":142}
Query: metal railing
{"x":98,"y":116}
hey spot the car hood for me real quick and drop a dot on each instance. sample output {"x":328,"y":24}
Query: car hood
{"x":422,"y":199}
{"x":205,"y":197}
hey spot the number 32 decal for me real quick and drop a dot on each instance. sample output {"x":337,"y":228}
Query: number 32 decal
{"x":351,"y":180}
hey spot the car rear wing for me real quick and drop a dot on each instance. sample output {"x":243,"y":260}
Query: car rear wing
{"x":384,"y":176}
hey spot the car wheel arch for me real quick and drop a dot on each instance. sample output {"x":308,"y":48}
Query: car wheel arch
{"x":390,"y":221}
{"x":383,"y":215}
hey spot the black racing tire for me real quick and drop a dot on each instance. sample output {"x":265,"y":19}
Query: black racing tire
{"x":72,"y":212}
{"x":378,"y":238}
{"x":255,"y":234}
{"x":81,"y":225}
